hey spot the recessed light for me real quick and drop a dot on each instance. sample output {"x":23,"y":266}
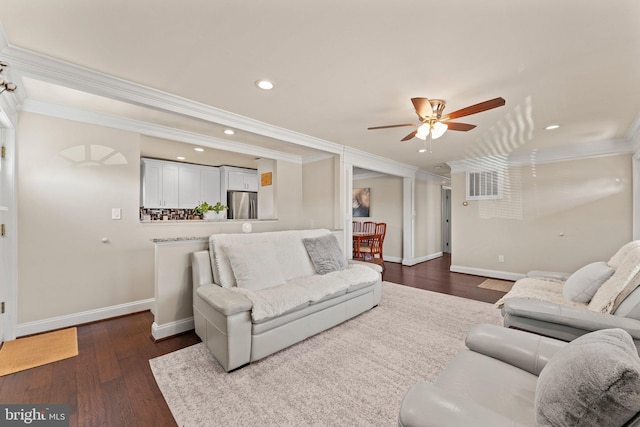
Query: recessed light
{"x":180,"y":158}
{"x":551,"y":127}
{"x":229,"y":131}
{"x":264,"y":84}
{"x":422,"y":150}
{"x":199,"y":149}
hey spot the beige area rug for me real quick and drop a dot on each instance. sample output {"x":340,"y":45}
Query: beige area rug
{"x":497,"y":285}
{"x":38,"y":350}
{"x":354,"y":374}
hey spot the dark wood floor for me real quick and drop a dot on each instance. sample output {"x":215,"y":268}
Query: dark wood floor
{"x":110,"y":382}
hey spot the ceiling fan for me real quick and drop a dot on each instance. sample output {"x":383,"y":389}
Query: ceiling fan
{"x":432,"y":121}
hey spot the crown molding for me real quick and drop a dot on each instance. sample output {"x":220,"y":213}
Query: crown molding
{"x":368,"y":175}
{"x":152,"y":129}
{"x":312,"y":158}
{"x":609,"y":147}
{"x":423,"y":175}
{"x":365,"y":160}
{"x":55,"y":71}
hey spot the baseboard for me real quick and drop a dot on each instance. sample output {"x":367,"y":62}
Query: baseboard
{"x":392,"y":258}
{"x":414,"y":261}
{"x":172,"y":328}
{"x":75,"y":319}
{"x":496,"y":274}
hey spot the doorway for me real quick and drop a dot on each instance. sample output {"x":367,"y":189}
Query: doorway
{"x":446,"y":220}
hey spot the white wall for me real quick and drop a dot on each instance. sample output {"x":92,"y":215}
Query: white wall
{"x":556,"y":216}
{"x":318,"y":193}
{"x":64,"y":210}
{"x":428,"y":222}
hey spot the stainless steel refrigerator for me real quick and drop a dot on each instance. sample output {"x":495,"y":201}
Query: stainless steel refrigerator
{"x":242,"y":205}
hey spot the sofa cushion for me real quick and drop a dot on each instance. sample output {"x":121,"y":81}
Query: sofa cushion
{"x":593,"y":381}
{"x":289,"y":251}
{"x":325,"y":253}
{"x":583,"y":284}
{"x":255,"y":265}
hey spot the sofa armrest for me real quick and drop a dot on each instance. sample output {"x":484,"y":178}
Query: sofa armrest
{"x":223,"y":300}
{"x":549,"y":275}
{"x":521,"y":349}
{"x":426,"y":405}
{"x":201,"y":269}
{"x":578,"y":318}
{"x":376,"y":267}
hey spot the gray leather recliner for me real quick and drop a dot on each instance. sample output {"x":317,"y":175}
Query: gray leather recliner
{"x":491,"y":383}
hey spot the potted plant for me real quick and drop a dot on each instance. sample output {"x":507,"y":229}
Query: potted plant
{"x":210,"y":212}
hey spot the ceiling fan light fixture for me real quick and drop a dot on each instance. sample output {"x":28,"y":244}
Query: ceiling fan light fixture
{"x":423,"y":131}
{"x":438,"y":130}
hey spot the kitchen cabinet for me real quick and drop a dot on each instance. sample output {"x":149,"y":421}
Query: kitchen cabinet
{"x":159,"y":187}
{"x":166,"y":184}
{"x":241,"y":179}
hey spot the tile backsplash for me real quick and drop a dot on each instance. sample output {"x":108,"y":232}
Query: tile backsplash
{"x":147,"y":214}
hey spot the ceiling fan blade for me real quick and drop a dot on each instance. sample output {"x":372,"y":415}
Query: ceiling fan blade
{"x":459,"y":126}
{"x":423,"y":107}
{"x":411,"y":135}
{"x":391,"y":126}
{"x":477,"y":108}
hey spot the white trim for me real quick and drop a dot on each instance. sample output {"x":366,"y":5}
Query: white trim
{"x":55,"y":71}
{"x":172,"y":328}
{"x":633,"y":134}
{"x":151,"y":129}
{"x":422,"y":175}
{"x":609,"y":147}
{"x":392,"y":259}
{"x":375,"y":163}
{"x":68,"y":320}
{"x":414,"y":261}
{"x":496,"y":274}
{"x":312,"y":158}
{"x":635,"y":201}
{"x":368,"y":175}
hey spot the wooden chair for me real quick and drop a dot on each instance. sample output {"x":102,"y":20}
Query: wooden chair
{"x":373,"y":251}
{"x":369,"y":227}
{"x":357,"y":226}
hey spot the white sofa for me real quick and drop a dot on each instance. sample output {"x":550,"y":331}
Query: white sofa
{"x":255,"y":294}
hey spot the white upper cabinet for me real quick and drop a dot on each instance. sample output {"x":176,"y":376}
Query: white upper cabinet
{"x":190,"y":186}
{"x":166,"y":184}
{"x":159,"y":184}
{"x":210,"y":188}
{"x":241,"y":179}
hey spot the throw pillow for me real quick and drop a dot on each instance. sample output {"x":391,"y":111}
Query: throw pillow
{"x":255,"y":266}
{"x":583,"y":284}
{"x":325,"y":253}
{"x":592,"y":381}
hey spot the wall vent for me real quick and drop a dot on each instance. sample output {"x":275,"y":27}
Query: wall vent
{"x":484,"y":185}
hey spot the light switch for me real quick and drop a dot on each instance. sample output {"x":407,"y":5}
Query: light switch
{"x":115,"y":213}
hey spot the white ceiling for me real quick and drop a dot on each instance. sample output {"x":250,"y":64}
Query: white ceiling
{"x":342,"y":66}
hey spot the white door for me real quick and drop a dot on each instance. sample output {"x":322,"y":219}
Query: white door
{"x":210,"y":186}
{"x":151,"y":184}
{"x":189,"y":187}
{"x":446,"y":220}
{"x":170,"y":185}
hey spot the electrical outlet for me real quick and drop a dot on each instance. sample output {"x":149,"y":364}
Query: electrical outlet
{"x":115,"y":213}
{"x":500,"y":258}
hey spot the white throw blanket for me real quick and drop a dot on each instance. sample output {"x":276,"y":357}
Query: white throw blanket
{"x":542,"y":289}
